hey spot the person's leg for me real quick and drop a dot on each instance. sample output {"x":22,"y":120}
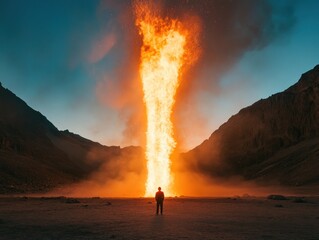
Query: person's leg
{"x":161,"y":208}
{"x":157,"y":206}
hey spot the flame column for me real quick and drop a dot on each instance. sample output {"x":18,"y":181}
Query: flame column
{"x":161,"y":62}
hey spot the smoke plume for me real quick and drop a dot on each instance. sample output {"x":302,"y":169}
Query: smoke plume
{"x":228,"y":30}
{"x":121,"y":172}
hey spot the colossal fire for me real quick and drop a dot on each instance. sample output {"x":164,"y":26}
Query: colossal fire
{"x":162,"y":59}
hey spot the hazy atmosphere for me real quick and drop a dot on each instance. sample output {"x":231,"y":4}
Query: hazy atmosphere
{"x":77,"y":62}
{"x":159,"y":119}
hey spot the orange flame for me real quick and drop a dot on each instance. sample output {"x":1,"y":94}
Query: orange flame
{"x":162,"y":58}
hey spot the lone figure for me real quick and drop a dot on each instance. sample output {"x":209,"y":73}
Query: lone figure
{"x":159,"y":196}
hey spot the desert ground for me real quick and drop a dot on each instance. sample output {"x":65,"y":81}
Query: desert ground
{"x":184,"y":218}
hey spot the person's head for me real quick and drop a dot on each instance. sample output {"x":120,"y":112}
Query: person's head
{"x":159,"y":188}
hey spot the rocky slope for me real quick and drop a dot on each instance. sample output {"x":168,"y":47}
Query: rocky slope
{"x":36,"y":157}
{"x":273,"y":141}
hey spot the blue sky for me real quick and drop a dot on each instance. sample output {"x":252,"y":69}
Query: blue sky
{"x":58,"y":56}
{"x":274,"y":68}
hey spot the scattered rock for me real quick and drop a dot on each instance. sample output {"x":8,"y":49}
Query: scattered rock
{"x":60,"y":197}
{"x":72,"y":200}
{"x":108,"y":203}
{"x":96,"y":198}
{"x":233,"y":198}
{"x":54,"y":198}
{"x":299,"y":200}
{"x":85,"y":205}
{"x":279,"y":205}
{"x":276,"y":197}
{"x":149,"y":202}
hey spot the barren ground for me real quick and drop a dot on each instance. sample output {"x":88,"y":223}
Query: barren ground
{"x":184,"y":218}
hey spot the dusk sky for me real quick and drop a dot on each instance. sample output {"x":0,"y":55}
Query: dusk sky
{"x":75,"y":60}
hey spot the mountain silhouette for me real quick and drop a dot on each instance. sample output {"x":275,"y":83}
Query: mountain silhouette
{"x":273,"y":141}
{"x":36,"y":157}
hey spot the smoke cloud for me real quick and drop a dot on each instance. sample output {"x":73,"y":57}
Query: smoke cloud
{"x":228,"y":30}
{"x":103,"y":47}
{"x":121,"y":172}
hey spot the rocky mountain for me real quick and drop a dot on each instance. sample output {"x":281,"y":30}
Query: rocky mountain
{"x":273,"y":141}
{"x":36,"y":157}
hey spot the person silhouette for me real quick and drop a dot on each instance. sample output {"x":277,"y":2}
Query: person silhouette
{"x":159,"y":196}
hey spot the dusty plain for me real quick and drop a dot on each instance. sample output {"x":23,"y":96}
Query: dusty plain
{"x":239,"y":218}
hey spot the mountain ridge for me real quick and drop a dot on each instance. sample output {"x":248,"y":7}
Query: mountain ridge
{"x":36,"y":157}
{"x":260,"y":133}
{"x":274,"y":141}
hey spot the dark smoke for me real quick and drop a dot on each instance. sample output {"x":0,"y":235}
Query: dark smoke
{"x":229,"y":30}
